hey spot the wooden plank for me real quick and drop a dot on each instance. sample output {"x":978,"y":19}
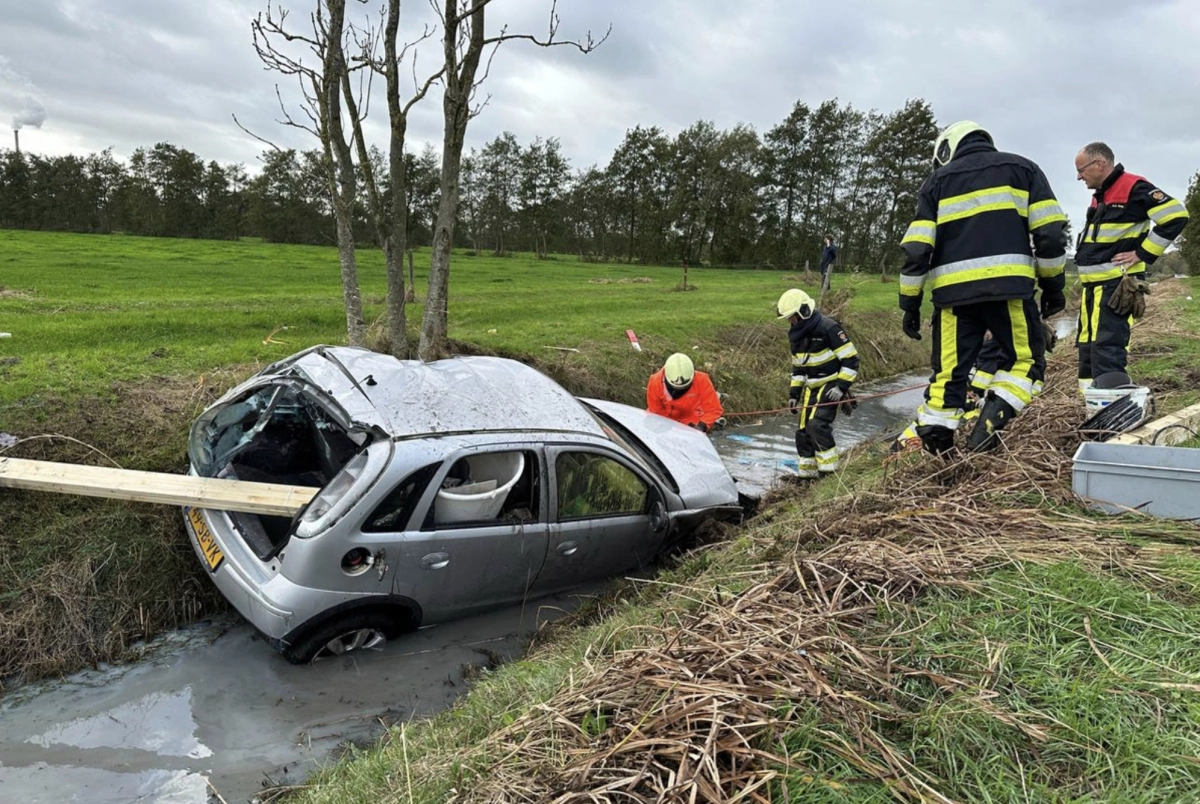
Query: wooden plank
{"x":1164,"y":431}
{"x":154,"y":487}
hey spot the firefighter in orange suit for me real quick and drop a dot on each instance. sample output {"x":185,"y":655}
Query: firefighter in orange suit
{"x":679,"y":392}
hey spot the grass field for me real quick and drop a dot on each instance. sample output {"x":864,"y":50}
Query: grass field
{"x":86,"y":311}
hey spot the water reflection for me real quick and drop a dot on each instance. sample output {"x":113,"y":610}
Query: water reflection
{"x":758,"y":451}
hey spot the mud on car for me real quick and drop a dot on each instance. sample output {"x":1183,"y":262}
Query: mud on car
{"x":443,"y":489}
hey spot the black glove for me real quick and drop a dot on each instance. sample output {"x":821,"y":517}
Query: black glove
{"x":1053,"y":301}
{"x":912,"y":324}
{"x":701,"y":426}
{"x":793,"y":398}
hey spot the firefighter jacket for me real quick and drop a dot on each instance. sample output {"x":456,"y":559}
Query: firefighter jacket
{"x":699,"y":403}
{"x":1127,"y":213}
{"x":821,"y":353}
{"x":976,"y":216}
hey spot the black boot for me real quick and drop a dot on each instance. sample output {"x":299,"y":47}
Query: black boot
{"x":935,"y":438}
{"x":994,"y":417}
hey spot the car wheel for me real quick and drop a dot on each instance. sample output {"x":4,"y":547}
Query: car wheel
{"x":342,"y":636}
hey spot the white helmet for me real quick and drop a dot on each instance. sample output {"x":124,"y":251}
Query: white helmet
{"x":795,"y":302}
{"x":951,"y":136}
{"x":679,"y":371}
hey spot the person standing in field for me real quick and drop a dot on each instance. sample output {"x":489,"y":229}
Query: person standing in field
{"x":679,"y":392}
{"x":824,"y":366}
{"x":1130,"y":223}
{"x":988,"y":232}
{"x":828,"y":258}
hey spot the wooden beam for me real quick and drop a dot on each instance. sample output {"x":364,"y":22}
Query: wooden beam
{"x":154,"y":487}
{"x":1173,"y":429}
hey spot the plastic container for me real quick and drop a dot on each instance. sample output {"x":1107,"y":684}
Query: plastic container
{"x":492,"y":477}
{"x":1097,"y":398}
{"x":1162,"y":481}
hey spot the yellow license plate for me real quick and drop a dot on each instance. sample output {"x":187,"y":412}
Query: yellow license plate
{"x":208,"y":545}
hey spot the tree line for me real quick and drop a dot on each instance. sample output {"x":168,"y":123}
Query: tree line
{"x":704,"y":196}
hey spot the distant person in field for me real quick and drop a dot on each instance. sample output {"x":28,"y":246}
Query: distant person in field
{"x":828,"y":258}
{"x":679,"y":392}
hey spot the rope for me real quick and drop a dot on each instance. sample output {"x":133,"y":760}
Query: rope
{"x":841,"y":401}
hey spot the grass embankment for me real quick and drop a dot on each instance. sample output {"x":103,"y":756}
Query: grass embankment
{"x":118,"y":342}
{"x":927,"y":631}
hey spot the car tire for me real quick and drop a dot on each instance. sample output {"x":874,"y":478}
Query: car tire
{"x":361,"y":631}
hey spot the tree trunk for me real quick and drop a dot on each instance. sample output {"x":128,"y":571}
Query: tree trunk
{"x":456,"y":112}
{"x":410,"y":294}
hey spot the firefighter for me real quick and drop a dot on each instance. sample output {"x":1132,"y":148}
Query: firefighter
{"x":1129,"y":225}
{"x":988,"y":228}
{"x":679,"y":392}
{"x":824,"y":366}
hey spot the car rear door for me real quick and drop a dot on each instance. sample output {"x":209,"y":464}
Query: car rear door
{"x":601,"y":517}
{"x":455,"y":567}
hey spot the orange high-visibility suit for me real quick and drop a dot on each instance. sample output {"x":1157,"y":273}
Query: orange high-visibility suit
{"x":699,"y":403}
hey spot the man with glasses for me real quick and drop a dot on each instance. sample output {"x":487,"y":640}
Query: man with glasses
{"x":1129,"y":225}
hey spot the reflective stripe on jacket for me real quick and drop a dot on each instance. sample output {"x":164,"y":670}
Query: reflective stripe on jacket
{"x":699,"y":403}
{"x":971,"y":238}
{"x":822,"y":352}
{"x":1127,"y":213}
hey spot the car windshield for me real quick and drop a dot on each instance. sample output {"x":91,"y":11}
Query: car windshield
{"x":634,"y":446}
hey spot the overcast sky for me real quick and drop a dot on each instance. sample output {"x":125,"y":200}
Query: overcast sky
{"x":1044,"y":77}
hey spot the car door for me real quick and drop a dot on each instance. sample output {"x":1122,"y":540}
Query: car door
{"x":606,"y":517}
{"x":453,"y":565}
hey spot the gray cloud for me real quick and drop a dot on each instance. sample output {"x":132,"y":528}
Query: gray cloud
{"x":1045,"y":78}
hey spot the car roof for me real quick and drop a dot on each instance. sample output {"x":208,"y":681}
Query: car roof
{"x":459,"y":394}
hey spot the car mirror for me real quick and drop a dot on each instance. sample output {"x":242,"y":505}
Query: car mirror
{"x":658,"y":516}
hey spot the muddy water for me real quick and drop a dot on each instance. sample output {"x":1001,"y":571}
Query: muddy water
{"x":213,"y":711}
{"x":759,"y":450}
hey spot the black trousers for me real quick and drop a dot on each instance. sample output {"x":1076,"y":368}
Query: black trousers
{"x":1103,"y":336}
{"x":815,"y":448}
{"x":958,"y":334}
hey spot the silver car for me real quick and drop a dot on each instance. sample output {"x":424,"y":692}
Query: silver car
{"x":445,"y":488}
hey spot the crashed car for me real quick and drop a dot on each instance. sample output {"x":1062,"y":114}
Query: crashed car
{"x":445,"y":488}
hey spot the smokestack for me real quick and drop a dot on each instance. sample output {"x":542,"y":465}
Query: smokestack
{"x":17,"y":139}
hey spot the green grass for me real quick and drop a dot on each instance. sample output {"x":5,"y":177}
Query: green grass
{"x":85,"y":311}
{"x":1094,"y":679}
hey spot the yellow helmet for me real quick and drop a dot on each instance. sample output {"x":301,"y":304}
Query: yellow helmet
{"x":951,"y":136}
{"x":679,"y":371}
{"x":795,"y":302}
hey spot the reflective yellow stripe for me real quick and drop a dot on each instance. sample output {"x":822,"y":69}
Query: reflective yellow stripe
{"x":1167,"y":212}
{"x":977,"y":274}
{"x":1014,"y":385}
{"x":1045,"y":212}
{"x":920,"y":232}
{"x":1152,"y":247}
{"x":1112,"y":232}
{"x":949,"y":345}
{"x":980,"y":201}
{"x":911,"y":285}
{"x":1102,"y":272}
{"x":845,"y":350}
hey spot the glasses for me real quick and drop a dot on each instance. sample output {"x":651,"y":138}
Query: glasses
{"x":1079,"y":170}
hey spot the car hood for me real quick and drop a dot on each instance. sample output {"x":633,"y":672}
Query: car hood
{"x":685,"y":451}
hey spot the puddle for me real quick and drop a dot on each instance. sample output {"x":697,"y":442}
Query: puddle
{"x":214,"y":713}
{"x":758,"y":452}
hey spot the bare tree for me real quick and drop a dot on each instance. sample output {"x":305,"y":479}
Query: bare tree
{"x":390,"y":215}
{"x":463,"y":44}
{"x":322,"y":92}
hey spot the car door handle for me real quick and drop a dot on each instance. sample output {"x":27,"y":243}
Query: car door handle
{"x":435,"y":561}
{"x":568,"y":548}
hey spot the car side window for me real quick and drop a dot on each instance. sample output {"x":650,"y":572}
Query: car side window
{"x":392,"y":515}
{"x":487,"y":488}
{"x":591,"y":485}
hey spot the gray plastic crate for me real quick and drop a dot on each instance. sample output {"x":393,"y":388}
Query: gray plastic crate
{"x":1162,"y":481}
